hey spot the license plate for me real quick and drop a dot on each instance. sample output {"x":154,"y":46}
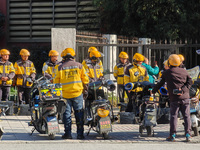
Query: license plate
{"x":105,"y":124}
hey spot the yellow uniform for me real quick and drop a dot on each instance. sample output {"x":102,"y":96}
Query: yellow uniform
{"x":51,"y":70}
{"x":119,"y":70}
{"x":6,"y":70}
{"x":135,"y":73}
{"x":94,"y":71}
{"x":24,"y":70}
{"x":73,"y":77}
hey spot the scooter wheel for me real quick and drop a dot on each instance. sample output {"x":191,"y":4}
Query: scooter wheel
{"x":52,"y":136}
{"x":105,"y":136}
{"x":140,"y":129}
{"x":149,"y":130}
{"x":196,"y":131}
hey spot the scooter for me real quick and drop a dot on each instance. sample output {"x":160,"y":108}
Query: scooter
{"x":3,"y":109}
{"x":44,"y":101}
{"x":195,"y":109}
{"x":147,"y":106}
{"x":98,"y":110}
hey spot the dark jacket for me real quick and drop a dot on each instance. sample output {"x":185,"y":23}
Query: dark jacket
{"x":176,"y":78}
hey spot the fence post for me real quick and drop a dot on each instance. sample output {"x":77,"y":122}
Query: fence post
{"x":144,"y":49}
{"x":110,"y":58}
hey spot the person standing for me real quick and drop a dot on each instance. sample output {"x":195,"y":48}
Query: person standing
{"x":119,"y":70}
{"x":178,"y":85}
{"x":135,"y":73}
{"x":52,"y":64}
{"x":86,"y":62}
{"x":151,"y":71}
{"x":74,"y":80}
{"x":7,"y":73}
{"x":25,"y":75}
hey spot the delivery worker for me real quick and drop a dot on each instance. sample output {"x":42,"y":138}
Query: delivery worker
{"x":25,"y":75}
{"x":7,"y":73}
{"x":74,"y":80}
{"x":119,"y":70}
{"x":135,"y":73}
{"x":88,"y":60}
{"x":178,"y":85}
{"x":52,"y":64}
{"x":93,"y":69}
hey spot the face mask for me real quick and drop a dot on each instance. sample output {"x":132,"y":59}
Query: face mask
{"x":138,"y":65}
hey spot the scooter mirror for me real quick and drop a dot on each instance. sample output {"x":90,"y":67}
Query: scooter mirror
{"x":198,"y":51}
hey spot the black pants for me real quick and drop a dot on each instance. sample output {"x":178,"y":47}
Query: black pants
{"x":121,"y":92}
{"x":132,"y":103}
{"x":4,"y":93}
{"x":24,"y":93}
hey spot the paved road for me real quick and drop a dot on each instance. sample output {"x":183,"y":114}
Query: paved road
{"x":18,"y":131}
{"x":100,"y":146}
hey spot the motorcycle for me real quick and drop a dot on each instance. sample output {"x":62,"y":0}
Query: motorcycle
{"x":44,"y":102}
{"x":146,"y":107}
{"x":99,"y":109}
{"x":3,"y":109}
{"x":195,"y":109}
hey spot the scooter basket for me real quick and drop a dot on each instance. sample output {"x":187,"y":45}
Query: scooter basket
{"x":50,"y":92}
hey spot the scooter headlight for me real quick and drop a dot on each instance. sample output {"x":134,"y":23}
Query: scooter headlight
{"x":102,"y":112}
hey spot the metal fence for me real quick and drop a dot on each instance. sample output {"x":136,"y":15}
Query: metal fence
{"x":154,"y":52}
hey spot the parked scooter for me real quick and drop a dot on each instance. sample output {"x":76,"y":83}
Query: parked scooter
{"x":195,"y":109}
{"x":44,"y":101}
{"x":99,"y":111}
{"x":147,"y":106}
{"x":3,"y":109}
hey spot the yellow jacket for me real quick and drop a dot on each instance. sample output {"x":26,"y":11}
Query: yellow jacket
{"x":51,"y":70}
{"x":135,"y":73}
{"x":73,"y":77}
{"x":6,"y":70}
{"x":24,"y":70}
{"x":119,"y":70}
{"x":94,"y":71}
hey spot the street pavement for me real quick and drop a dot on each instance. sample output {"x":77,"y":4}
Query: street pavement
{"x":17,"y":131}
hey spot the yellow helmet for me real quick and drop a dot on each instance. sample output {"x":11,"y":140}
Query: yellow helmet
{"x":4,"y":52}
{"x":68,"y":52}
{"x":181,"y":57}
{"x":165,"y":63}
{"x":24,"y":52}
{"x":53,"y":53}
{"x":123,"y":55}
{"x":138,"y":57}
{"x":96,"y":54}
{"x":174,"y":60}
{"x":92,"y":49}
{"x":62,"y":53}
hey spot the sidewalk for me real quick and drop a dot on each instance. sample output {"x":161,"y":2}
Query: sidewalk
{"x":18,"y":131}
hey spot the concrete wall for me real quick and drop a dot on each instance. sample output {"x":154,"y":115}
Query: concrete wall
{"x":62,"y":38}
